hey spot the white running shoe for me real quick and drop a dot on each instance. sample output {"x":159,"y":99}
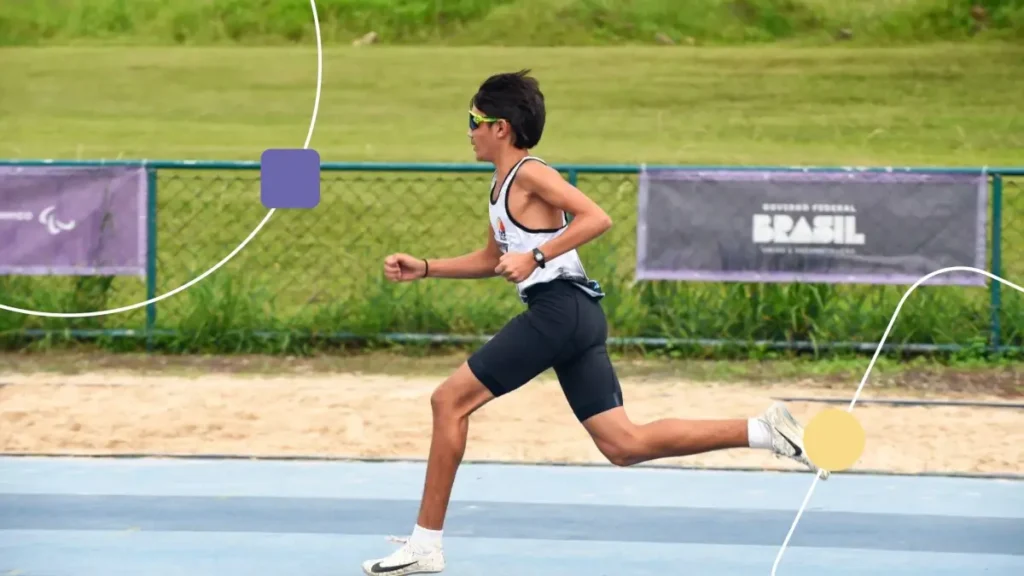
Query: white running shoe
{"x":788,"y":437}
{"x":406,"y":560}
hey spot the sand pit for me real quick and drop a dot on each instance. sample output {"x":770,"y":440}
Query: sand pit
{"x":347,"y":415}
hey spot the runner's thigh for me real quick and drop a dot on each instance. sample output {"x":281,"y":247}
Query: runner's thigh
{"x":590,"y":383}
{"x":587,"y":377}
{"x":514,"y":356}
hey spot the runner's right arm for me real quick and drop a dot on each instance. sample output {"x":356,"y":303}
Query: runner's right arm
{"x":478,"y":264}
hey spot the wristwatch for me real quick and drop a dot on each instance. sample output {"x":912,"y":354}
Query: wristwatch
{"x":538,"y":257}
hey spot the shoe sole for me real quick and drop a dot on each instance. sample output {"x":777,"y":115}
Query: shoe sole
{"x":431,"y":568}
{"x":402,"y":572}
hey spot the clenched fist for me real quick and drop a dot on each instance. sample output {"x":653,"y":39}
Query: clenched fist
{"x":403,"y":268}
{"x":516,"y":266}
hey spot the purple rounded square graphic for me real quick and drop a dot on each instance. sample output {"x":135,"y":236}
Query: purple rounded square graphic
{"x":290,"y":178}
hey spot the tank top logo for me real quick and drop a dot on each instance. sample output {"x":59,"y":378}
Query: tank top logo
{"x":502,"y":237}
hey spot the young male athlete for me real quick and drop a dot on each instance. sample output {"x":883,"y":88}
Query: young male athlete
{"x":530,"y":244}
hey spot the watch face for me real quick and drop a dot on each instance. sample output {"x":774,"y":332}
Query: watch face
{"x":538,"y":256}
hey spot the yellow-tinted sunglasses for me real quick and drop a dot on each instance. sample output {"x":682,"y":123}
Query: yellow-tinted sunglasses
{"x":475,"y":120}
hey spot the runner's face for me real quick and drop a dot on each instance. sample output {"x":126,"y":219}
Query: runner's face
{"x":482,"y":134}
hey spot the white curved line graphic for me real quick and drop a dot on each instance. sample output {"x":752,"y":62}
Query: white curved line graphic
{"x":309,"y":136}
{"x":878,"y":350}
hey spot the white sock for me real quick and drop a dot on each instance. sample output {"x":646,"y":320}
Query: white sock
{"x":759,"y":435}
{"x":425,"y":539}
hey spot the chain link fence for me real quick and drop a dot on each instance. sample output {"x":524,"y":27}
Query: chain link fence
{"x":319,"y":273}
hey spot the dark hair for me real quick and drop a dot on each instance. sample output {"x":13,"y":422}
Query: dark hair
{"x":516,"y":98}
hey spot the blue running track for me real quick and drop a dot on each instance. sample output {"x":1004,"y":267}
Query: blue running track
{"x":152,"y":517}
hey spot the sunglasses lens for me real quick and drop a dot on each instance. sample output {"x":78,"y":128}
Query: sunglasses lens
{"x":472,"y":123}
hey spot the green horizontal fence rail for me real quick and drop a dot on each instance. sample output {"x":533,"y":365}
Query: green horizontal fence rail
{"x":318,"y":273}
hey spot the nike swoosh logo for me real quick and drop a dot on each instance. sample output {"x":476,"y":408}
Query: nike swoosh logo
{"x":378,"y":569}
{"x":793,"y":444}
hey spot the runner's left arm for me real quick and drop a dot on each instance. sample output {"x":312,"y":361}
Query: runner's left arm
{"x":589,"y":219}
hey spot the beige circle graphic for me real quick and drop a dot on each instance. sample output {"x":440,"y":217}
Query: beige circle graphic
{"x":834,"y":440}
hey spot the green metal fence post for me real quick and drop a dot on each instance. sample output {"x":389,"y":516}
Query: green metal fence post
{"x":151,"y":178}
{"x":573,"y":179}
{"x":995,"y":288}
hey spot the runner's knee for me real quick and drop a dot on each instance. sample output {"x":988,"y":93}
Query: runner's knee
{"x":618,"y":439}
{"x":459,"y":396}
{"x":625,"y":449}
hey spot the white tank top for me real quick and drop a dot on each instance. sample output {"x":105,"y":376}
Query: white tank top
{"x":511,"y":236}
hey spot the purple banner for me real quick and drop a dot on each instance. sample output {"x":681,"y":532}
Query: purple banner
{"x":834,"y":227}
{"x":73,"y":221}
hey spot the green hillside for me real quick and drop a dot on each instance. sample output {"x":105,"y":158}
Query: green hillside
{"x":512,"y":22}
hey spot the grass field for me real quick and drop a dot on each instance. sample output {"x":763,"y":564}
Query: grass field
{"x":933,"y":105}
{"x":937,"y":105}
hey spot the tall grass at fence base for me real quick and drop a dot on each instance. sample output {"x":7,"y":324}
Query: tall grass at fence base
{"x":236,"y":313}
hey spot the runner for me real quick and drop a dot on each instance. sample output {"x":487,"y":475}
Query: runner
{"x":531,"y":244}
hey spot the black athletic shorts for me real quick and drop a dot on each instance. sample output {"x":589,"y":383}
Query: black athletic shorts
{"x":565,"y":329}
